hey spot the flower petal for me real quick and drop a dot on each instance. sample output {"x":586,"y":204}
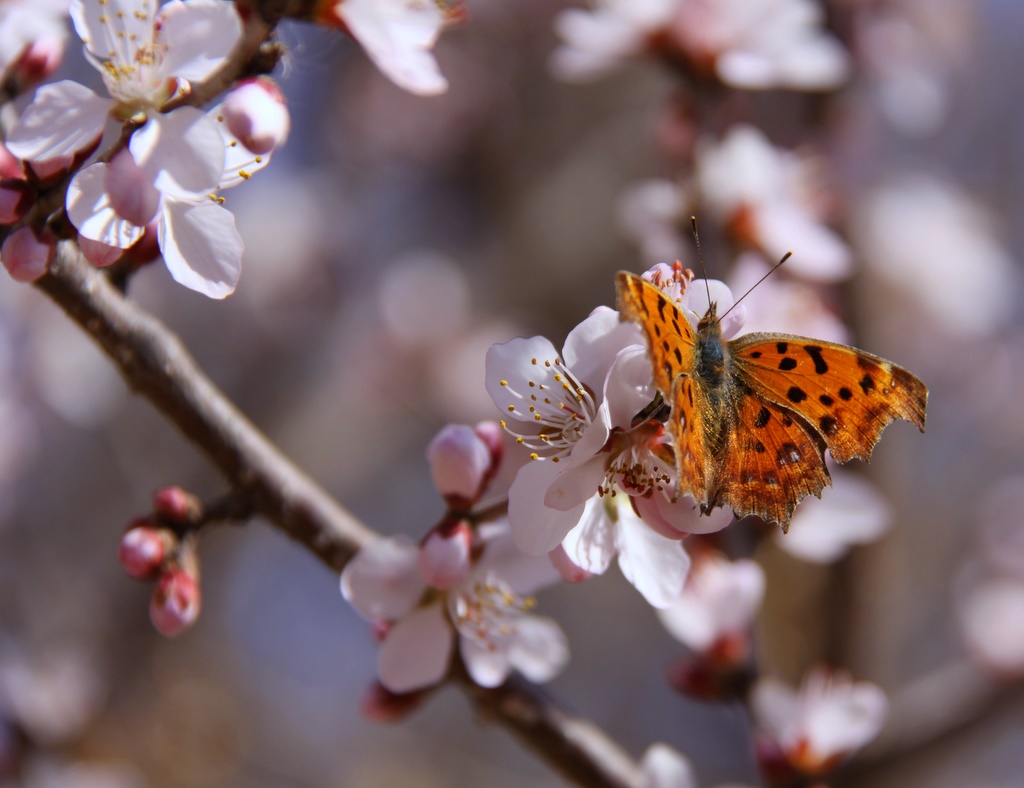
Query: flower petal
{"x":382,"y":582}
{"x":577,"y":483}
{"x":201,"y":246}
{"x":539,"y":649}
{"x":182,"y":152}
{"x":200,"y":34}
{"x":515,"y":363}
{"x":113,"y":31}
{"x":89,"y":210}
{"x":64,"y":118}
{"x":536,"y":528}
{"x":591,"y":544}
{"x":524,"y":573}
{"x":488,"y":667}
{"x":629,"y":387}
{"x":416,"y":652}
{"x":656,"y":566}
{"x":591,"y":347}
{"x":398,"y":35}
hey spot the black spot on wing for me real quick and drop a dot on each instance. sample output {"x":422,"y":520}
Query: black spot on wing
{"x":782,"y":347}
{"x":787,"y":364}
{"x":756,"y":354}
{"x":662,"y":303}
{"x":825,"y":400}
{"x":679,"y":356}
{"x":763,"y":416}
{"x":657,"y":330}
{"x":867,"y":383}
{"x":828,"y":425}
{"x":845,"y":394}
{"x":787,"y":453}
{"x":814,"y":351}
{"x":796,"y":394}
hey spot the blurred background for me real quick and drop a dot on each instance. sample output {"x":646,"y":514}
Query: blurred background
{"x":388,"y":245}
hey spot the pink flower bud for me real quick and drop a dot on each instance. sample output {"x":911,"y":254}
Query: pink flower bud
{"x":26,"y":255}
{"x":444,"y":557}
{"x":493,"y":436}
{"x":132,"y":193}
{"x":175,"y":604}
{"x":459,"y":462}
{"x":257,"y":114}
{"x":383,"y":705}
{"x":143,"y":549}
{"x":177,"y":504}
{"x":16,"y":197}
{"x":98,"y":253}
{"x":40,"y":59}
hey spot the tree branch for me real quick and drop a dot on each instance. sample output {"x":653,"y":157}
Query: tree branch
{"x":156,"y":365}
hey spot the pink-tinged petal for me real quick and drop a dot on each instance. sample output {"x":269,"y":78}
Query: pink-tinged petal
{"x":536,"y":528}
{"x":64,"y":118}
{"x":776,"y":707}
{"x":199,"y":34}
{"x":98,"y":253}
{"x":416,"y":652}
{"x":849,"y":512}
{"x":182,"y":152}
{"x":488,"y":667}
{"x":565,"y":567}
{"x":664,"y":767}
{"x":819,"y":254}
{"x":515,"y":363}
{"x":130,"y":190}
{"x":656,"y":566}
{"x":591,"y":544}
{"x":575,"y":485}
{"x":89,"y":210}
{"x":382,"y":582}
{"x":721,"y":597}
{"x":240,"y":164}
{"x":629,"y":386}
{"x":592,"y":346}
{"x":682,"y":516}
{"x":525,"y":574}
{"x":539,"y":649}
{"x":846,"y":721}
{"x":701,"y":293}
{"x":398,"y":35}
{"x":201,"y":247}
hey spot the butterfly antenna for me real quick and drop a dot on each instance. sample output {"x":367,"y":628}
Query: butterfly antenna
{"x":785,"y":257}
{"x":700,"y":256}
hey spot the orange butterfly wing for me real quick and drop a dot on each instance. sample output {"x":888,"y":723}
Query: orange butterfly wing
{"x":773,"y":459}
{"x":846,"y":395}
{"x":670,"y":343}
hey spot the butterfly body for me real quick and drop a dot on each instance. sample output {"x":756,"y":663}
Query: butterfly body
{"x":752,"y":417}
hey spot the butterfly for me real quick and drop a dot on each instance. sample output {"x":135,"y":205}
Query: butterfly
{"x":751,"y":417}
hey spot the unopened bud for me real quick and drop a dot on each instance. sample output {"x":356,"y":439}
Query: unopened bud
{"x":39,"y":60}
{"x":143,"y":549}
{"x":177,"y":504}
{"x":444,"y":557}
{"x":493,"y":436}
{"x":459,"y":463}
{"x":16,"y":197}
{"x":26,"y":255}
{"x":257,"y":114}
{"x":175,"y":603}
{"x":382,"y":705}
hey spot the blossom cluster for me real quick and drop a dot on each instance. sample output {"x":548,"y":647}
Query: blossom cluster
{"x":156,"y":190}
